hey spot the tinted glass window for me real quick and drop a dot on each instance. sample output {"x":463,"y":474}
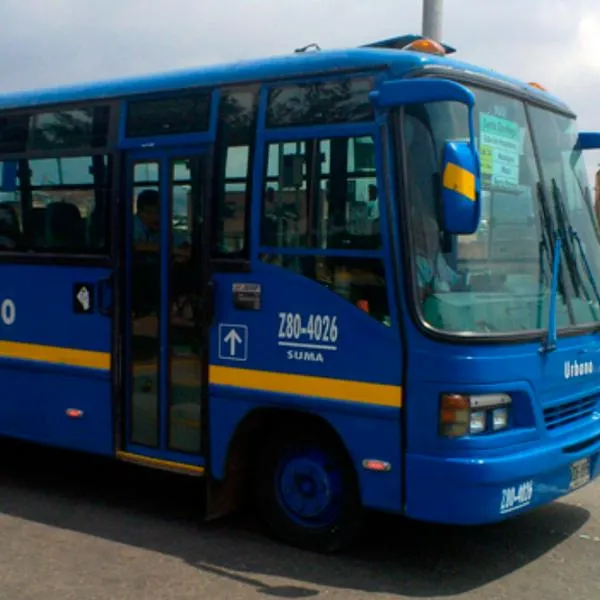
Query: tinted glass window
{"x":69,"y":129}
{"x":237,"y":129}
{"x":56,"y":205}
{"x":499,"y":279}
{"x":237,"y":115}
{"x":322,"y":194}
{"x":61,"y":130}
{"x":169,"y":116}
{"x":320,"y":103}
{"x":13,"y":134}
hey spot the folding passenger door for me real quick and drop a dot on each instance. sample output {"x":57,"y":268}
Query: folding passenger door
{"x":165,"y":344}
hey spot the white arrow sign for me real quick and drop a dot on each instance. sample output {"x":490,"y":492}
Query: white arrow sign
{"x":233,"y":339}
{"x":233,"y":342}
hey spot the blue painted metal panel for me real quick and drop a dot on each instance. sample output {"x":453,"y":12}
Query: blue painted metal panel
{"x":367,"y":432}
{"x":43,"y":297}
{"x":39,"y":384}
{"x":555,"y":421}
{"x":365,"y":351}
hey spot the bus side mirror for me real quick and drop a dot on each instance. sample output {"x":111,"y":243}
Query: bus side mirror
{"x":588,"y":140}
{"x":460,"y":197}
{"x":400,"y":92}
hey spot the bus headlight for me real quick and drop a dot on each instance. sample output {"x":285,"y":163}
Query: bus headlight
{"x":499,"y":418}
{"x":462,"y":414}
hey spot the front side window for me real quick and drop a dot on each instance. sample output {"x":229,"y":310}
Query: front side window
{"x":497,"y":280}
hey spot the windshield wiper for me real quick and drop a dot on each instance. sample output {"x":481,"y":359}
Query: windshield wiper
{"x":545,"y":243}
{"x":550,"y":344}
{"x":551,"y":241}
{"x":586,"y":264}
{"x":569,"y":235}
{"x":563,"y":229}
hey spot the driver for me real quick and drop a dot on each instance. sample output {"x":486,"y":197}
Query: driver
{"x":434,"y":274}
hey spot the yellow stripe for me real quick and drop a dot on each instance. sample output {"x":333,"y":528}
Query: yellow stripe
{"x":460,"y":180}
{"x":283,"y":383}
{"x":319,"y":387}
{"x":55,"y":355}
{"x":158,"y":463}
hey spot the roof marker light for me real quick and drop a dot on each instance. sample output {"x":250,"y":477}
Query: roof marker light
{"x":537,"y":86}
{"x":426,"y":46}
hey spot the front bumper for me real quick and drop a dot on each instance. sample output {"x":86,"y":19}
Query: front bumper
{"x":479,"y":490}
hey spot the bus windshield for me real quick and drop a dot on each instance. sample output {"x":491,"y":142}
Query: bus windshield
{"x":534,"y":188}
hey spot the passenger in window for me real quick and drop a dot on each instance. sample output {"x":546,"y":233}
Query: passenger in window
{"x":146,"y":226}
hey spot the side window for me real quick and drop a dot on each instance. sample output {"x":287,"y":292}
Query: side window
{"x":237,"y":130}
{"x":11,"y":214}
{"x":56,"y":205}
{"x":185,"y":113}
{"x":321,"y":194}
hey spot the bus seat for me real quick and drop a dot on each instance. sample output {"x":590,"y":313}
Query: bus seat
{"x":10,"y":231}
{"x":65,"y":225}
{"x":38,"y":226}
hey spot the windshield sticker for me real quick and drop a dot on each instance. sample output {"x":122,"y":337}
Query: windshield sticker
{"x":500,"y":141}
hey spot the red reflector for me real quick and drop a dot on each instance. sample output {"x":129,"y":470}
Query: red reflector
{"x":363,"y":305}
{"x":370,"y":464}
{"x":74,"y":413}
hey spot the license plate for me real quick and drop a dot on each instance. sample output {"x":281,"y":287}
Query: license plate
{"x":580,"y":473}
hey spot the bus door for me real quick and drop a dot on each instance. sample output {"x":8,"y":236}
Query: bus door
{"x":166,"y":279}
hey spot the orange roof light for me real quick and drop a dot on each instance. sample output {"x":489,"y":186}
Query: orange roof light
{"x":427,"y":46}
{"x":537,"y":86}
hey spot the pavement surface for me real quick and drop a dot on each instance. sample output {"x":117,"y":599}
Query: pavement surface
{"x":81,"y":528}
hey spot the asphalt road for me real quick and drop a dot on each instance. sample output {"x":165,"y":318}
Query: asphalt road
{"x":90,"y":529}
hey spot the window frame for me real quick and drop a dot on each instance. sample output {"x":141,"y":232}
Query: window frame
{"x":368,"y":75}
{"x":395,"y":124}
{"x":169,"y":140}
{"x":100,"y":259}
{"x":302,"y":134}
{"x":233,"y":261}
{"x":203,"y":93}
{"x":111,"y":138}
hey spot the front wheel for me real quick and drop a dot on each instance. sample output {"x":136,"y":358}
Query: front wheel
{"x":307,"y":494}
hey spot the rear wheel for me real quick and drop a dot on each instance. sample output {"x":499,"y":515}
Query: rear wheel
{"x":307,"y":493}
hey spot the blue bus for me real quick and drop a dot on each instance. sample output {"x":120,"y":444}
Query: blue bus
{"x":325,"y":283}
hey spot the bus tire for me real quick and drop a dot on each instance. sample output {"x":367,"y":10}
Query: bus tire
{"x":307,"y":493}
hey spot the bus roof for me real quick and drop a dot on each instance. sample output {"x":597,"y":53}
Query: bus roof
{"x":300,"y":64}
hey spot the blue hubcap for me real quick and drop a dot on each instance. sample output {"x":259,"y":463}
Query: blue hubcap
{"x":309,"y":489}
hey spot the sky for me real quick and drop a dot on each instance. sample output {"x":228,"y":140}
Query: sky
{"x":49,"y":42}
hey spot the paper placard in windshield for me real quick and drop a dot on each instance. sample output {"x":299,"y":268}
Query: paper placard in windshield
{"x":500,"y":143}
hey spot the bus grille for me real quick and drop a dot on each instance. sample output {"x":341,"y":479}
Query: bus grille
{"x":569,"y":412}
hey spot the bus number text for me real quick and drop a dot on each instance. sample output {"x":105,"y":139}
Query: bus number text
{"x":514,"y":498}
{"x":317,"y":328}
{"x":8,"y":311}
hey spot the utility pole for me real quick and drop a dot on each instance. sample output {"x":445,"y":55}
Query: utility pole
{"x":432,"y":19}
